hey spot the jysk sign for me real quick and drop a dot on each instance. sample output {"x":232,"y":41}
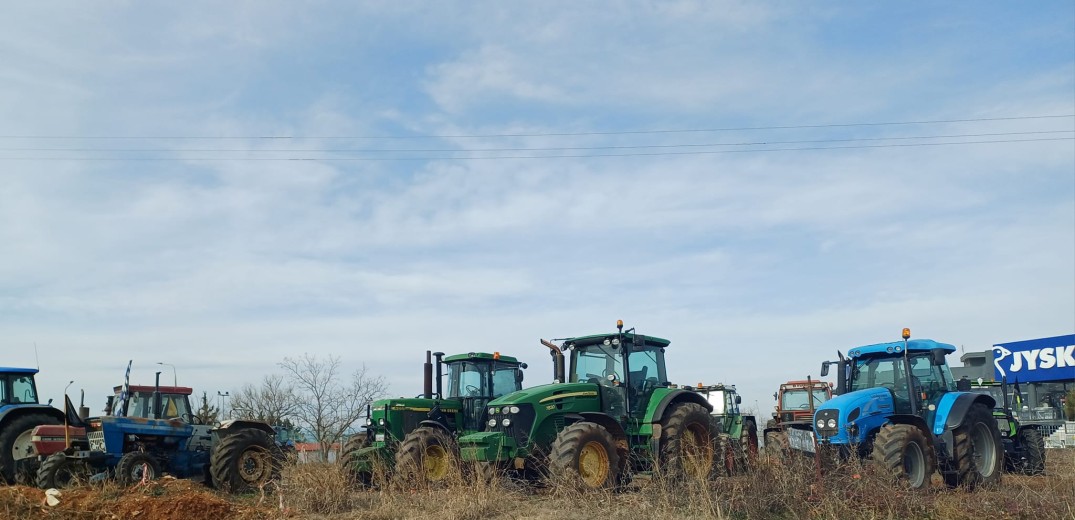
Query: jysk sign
{"x":1045,"y":359}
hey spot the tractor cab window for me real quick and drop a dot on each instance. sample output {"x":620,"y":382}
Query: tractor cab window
{"x":22,"y":390}
{"x":931,"y":379}
{"x":646,"y":373}
{"x":466,"y":379}
{"x":800,"y":399}
{"x":3,"y":388}
{"x":507,"y":378}
{"x":595,"y":363}
{"x":175,"y":406}
{"x":718,"y":399}
{"x":873,"y":372}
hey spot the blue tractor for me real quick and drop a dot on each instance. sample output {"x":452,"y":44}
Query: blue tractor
{"x":20,"y":413}
{"x":900,"y":407}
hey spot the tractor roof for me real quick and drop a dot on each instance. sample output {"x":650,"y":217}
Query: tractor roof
{"x":804,"y":384}
{"x":914,"y":345}
{"x":14,"y":370}
{"x":182,"y":390}
{"x":481,"y":356}
{"x":596,"y":339}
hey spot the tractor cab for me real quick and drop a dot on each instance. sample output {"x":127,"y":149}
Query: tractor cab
{"x":725,"y":401}
{"x":796,"y":400}
{"x":17,"y":386}
{"x":139,"y":402}
{"x":627,"y":368}
{"x":477,"y":378}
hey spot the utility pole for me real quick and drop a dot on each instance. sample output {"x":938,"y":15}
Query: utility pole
{"x":223,"y":400}
{"x":175,"y":380}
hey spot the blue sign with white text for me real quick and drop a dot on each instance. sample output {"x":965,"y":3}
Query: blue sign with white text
{"x":1035,"y":360}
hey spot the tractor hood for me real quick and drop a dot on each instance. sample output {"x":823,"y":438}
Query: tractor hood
{"x":853,"y":412}
{"x":549,"y":392}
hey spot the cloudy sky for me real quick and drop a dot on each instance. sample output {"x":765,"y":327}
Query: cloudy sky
{"x":219,"y":186}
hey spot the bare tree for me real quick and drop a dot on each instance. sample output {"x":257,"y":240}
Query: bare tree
{"x":273,"y":401}
{"x":327,"y":407}
{"x":206,"y":412}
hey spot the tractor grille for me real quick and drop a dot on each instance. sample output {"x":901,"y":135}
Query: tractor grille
{"x":519,"y":429}
{"x":97,"y":440}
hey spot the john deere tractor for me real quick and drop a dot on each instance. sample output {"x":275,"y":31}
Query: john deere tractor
{"x":20,"y":413}
{"x":611,"y":414}
{"x":736,"y":433}
{"x":899,"y":407}
{"x":414,"y":438}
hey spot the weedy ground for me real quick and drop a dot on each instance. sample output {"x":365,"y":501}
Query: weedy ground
{"x":787,"y":490}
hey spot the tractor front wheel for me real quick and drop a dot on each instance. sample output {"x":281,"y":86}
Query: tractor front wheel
{"x":359,"y":479}
{"x":777,"y":446}
{"x":977,"y":453}
{"x":1033,"y":450}
{"x":584,"y":454}
{"x":59,"y":471}
{"x":686,"y":442}
{"x":16,"y":444}
{"x":136,"y":466}
{"x":427,"y":454}
{"x":902,"y":452}
{"x":245,"y":461}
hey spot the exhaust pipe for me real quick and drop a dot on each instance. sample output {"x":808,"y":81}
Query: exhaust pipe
{"x":427,"y":376}
{"x":157,"y":398}
{"x":83,"y":410}
{"x":440,"y":374}
{"x":557,"y":361}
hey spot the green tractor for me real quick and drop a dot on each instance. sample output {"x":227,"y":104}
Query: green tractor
{"x":414,"y":438}
{"x":1024,"y":445}
{"x":737,"y":434}
{"x":611,"y":414}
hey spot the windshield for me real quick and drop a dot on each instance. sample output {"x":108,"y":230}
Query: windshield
{"x":22,"y":389}
{"x":800,"y":399}
{"x":483,"y":379}
{"x":140,"y":404}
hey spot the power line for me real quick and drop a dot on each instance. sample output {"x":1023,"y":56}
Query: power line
{"x":549,"y":134}
{"x":527,"y":149}
{"x":561,"y":156}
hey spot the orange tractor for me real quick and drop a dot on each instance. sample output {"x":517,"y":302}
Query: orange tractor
{"x":795,"y":405}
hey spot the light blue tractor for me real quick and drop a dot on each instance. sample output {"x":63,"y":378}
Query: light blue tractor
{"x":900,"y":407}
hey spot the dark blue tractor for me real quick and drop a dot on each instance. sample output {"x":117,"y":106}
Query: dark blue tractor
{"x":20,"y":413}
{"x":900,"y":408}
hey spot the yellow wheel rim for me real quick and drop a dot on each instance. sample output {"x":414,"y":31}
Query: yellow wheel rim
{"x":696,"y":451}
{"x":593,"y":464}
{"x":436,"y":462}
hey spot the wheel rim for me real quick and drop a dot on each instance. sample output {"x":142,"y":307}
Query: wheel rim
{"x":984,"y":449}
{"x":914,"y":465}
{"x":695,"y":450}
{"x":253,"y":465}
{"x":593,"y":464}
{"x":23,"y":446}
{"x":436,"y":462}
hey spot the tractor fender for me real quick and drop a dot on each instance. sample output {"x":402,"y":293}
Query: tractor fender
{"x":612,"y":425}
{"x":656,"y":411}
{"x":913,"y":420}
{"x":234,"y":425}
{"x":435,"y":424}
{"x":11,"y":412}
{"x":953,"y":406}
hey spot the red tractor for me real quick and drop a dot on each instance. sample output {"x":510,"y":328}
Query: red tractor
{"x":795,"y":405}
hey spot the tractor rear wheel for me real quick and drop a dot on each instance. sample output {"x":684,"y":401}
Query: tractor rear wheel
{"x":59,"y":471}
{"x":427,"y":455}
{"x":686,"y":442}
{"x":136,"y":466}
{"x":977,"y":453}
{"x":360,"y":479}
{"x":902,"y":452}
{"x":584,"y":454}
{"x":16,"y":444}
{"x":1033,"y":450}
{"x":777,"y":446}
{"x":245,"y":461}
{"x":748,"y":447}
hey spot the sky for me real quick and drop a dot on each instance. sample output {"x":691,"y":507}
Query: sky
{"x":220,"y":186}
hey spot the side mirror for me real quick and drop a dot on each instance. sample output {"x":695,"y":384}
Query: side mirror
{"x":825,"y":368}
{"x":937,"y":355}
{"x":738,"y":399}
{"x":518,"y":376}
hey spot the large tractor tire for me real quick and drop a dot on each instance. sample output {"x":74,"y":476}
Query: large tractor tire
{"x":1033,"y":450}
{"x":977,"y":453}
{"x":427,"y":455}
{"x":137,"y":466}
{"x":245,"y":461}
{"x":902,"y":452}
{"x":584,"y":455}
{"x":59,"y":471}
{"x":686,"y":448}
{"x":358,"y":479}
{"x":777,"y":446}
{"x":16,"y":442}
{"x":748,"y":447}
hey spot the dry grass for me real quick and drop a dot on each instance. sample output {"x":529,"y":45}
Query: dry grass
{"x":789,"y":491}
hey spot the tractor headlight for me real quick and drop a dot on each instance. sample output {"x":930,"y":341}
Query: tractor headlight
{"x":513,"y":409}
{"x":506,"y":422}
{"x":369,"y":422}
{"x":831,"y":423}
{"x":492,"y":411}
{"x":492,"y":423}
{"x":380,"y":421}
{"x":820,"y":424}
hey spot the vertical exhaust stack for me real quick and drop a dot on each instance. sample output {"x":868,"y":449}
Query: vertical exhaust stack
{"x":427,"y":376}
{"x":440,"y":374}
{"x":156,"y":398}
{"x":83,"y":410}
{"x":557,"y":361}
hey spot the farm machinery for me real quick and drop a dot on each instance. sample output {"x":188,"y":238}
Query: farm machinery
{"x":610,"y":414}
{"x":20,"y":413}
{"x":796,"y":402}
{"x":900,"y":408}
{"x":415,"y":438}
{"x":736,"y":434}
{"x":1024,"y":444}
{"x":151,"y":430}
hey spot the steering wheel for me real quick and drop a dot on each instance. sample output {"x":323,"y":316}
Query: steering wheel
{"x":471,"y":390}
{"x":804,"y":406}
